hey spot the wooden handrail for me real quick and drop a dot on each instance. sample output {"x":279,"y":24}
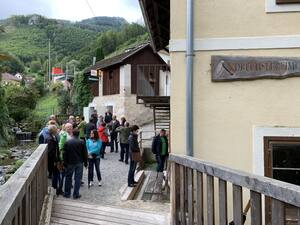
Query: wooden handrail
{"x":187,"y":191}
{"x":22,"y":196}
{"x":283,"y":191}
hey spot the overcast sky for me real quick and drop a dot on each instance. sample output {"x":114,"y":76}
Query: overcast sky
{"x":72,"y":9}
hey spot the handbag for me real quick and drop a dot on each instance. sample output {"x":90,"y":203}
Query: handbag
{"x":136,"y":156}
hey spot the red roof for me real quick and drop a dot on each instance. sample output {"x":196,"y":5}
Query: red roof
{"x":57,"y":71}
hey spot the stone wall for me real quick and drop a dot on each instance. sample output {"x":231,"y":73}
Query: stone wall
{"x":124,"y":106}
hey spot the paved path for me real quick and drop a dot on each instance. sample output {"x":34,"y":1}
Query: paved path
{"x":114,"y":176}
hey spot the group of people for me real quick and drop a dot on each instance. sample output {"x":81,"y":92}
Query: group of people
{"x":79,"y":144}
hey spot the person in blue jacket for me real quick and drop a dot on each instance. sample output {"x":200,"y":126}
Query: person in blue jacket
{"x":93,"y":146}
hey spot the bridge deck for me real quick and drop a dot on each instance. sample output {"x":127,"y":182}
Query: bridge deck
{"x":73,"y":212}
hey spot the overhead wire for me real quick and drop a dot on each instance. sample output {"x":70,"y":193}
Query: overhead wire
{"x":90,"y":7}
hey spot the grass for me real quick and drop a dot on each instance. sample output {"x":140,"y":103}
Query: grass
{"x":46,"y":105}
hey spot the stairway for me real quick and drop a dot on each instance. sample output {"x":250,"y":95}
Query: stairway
{"x":73,"y":212}
{"x":162,"y":118}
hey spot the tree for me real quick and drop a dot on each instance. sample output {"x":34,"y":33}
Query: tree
{"x":64,"y":101}
{"x":20,"y":101}
{"x":35,"y":66}
{"x":99,"y":54}
{"x":82,"y":95}
{"x":4,"y":122}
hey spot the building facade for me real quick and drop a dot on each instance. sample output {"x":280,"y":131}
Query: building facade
{"x":246,"y":109}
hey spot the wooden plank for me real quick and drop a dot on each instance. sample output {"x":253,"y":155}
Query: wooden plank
{"x":277,"y":212}
{"x":138,"y":213}
{"x":282,"y":191}
{"x":190,"y":193}
{"x":223,"y":202}
{"x":157,"y":191}
{"x":237,"y":205}
{"x":182,"y":196}
{"x":130,"y":192}
{"x":199,"y":199}
{"x":113,"y":218}
{"x":210,"y":200}
{"x":174,"y":199}
{"x":256,"y":210}
{"x":55,"y":220}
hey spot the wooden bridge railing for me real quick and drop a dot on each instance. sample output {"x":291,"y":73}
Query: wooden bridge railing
{"x":22,"y":197}
{"x":193,"y":201}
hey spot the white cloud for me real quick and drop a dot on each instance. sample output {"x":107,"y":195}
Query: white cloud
{"x":74,"y":10}
{"x":78,"y":9}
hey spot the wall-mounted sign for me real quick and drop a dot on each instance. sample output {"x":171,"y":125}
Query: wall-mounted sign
{"x":94,"y":73}
{"x":231,"y":68}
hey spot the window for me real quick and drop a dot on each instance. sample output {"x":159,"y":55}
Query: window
{"x":287,"y":1}
{"x":279,"y":6}
{"x":282,"y":157}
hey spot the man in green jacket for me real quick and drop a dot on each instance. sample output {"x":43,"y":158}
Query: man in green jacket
{"x":124,"y":135}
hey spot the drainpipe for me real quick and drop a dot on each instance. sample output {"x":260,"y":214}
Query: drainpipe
{"x":189,"y":80}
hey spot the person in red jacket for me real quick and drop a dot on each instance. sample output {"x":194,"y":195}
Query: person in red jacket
{"x":103,"y":135}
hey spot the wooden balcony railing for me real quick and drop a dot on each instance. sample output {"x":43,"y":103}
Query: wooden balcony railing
{"x":22,"y":197}
{"x":193,"y":201}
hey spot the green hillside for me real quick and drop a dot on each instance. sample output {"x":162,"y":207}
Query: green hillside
{"x":27,"y":38}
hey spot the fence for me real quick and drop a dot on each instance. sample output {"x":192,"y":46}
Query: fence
{"x":22,"y":196}
{"x":188,"y":195}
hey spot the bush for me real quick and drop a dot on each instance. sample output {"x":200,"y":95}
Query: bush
{"x":20,"y":101}
{"x":35,"y":66}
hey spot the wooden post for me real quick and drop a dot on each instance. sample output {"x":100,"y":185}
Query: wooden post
{"x":210,"y":200}
{"x":223,"y":202}
{"x":256,"y":211}
{"x":190,"y":193}
{"x":182,"y":196}
{"x":174,"y":199}
{"x":278,"y":216}
{"x":199,"y":198}
{"x":237,"y":205}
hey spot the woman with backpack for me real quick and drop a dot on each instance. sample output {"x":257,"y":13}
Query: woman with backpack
{"x":93,"y":145}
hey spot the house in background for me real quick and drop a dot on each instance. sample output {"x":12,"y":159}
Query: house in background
{"x":9,"y":79}
{"x":130,"y":81}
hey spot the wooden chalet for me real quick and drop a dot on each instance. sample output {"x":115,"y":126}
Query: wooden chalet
{"x":140,"y":76}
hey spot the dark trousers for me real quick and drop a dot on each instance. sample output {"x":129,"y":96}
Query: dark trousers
{"x":160,"y":159}
{"x":70,"y":170}
{"x":94,"y":163}
{"x":113,"y":142}
{"x":132,"y":168}
{"x":102,"y":150}
{"x":55,"y":177}
{"x":50,"y":165}
{"x":124,"y":151}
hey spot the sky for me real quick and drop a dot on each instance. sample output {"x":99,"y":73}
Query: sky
{"x":73,"y":10}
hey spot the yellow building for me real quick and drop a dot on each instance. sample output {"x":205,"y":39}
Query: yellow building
{"x":241,"y":58}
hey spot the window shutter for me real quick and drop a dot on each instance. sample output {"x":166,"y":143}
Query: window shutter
{"x":287,"y":1}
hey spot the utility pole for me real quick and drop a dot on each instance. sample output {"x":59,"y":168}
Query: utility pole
{"x":49,"y":61}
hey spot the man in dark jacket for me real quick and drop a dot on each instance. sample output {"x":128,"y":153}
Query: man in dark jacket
{"x":89,"y":127}
{"x":108,"y":117}
{"x":160,"y":149}
{"x":75,"y":156}
{"x":114,"y":135}
{"x":133,"y":147}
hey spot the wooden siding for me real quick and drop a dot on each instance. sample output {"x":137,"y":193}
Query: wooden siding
{"x":94,"y":87}
{"x":146,"y":56}
{"x":111,"y":81}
